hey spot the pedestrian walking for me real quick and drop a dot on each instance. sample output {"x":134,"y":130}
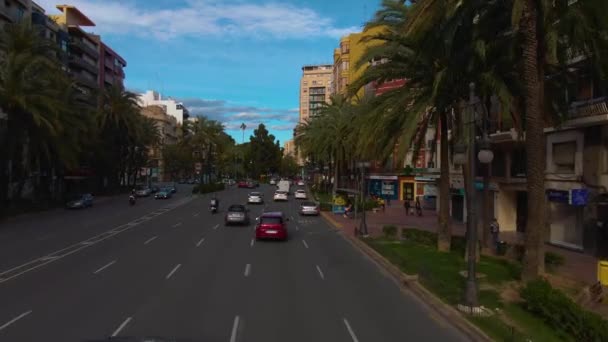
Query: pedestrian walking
{"x":418,"y":207}
{"x":407,"y":205}
{"x":495,"y":231}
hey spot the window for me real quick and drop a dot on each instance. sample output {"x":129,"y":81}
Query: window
{"x":314,"y":82}
{"x":64,"y":45}
{"x":305,"y":83}
{"x":345,"y":65}
{"x":564,"y":156}
{"x":305,"y":91}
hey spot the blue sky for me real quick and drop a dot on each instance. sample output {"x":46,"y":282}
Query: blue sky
{"x":231,"y":60}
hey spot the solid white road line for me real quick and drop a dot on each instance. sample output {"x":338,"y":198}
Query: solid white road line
{"x":235,"y":327}
{"x":176,"y":225}
{"x":247,"y":270}
{"x":150,"y":240}
{"x":173,"y":271}
{"x":200,"y":242}
{"x":252,"y":242}
{"x":305,"y":244}
{"x":320,"y":272}
{"x":216,"y":226}
{"x":350,"y":331}
{"x":122,"y":326}
{"x":104,"y":267}
{"x":5,"y":325}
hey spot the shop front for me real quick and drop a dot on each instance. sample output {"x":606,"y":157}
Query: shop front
{"x":407,"y":184}
{"x":384,"y":186}
{"x":426,"y":191}
{"x":566,"y":215}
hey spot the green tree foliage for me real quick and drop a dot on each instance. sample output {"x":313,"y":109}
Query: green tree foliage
{"x":263,"y":154}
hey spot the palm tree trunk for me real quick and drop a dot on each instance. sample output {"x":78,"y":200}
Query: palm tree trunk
{"x":533,"y":263}
{"x":444,"y":233}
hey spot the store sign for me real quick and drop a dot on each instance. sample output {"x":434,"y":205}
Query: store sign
{"x":382,"y":177}
{"x":425,"y":179}
{"x":559,"y":196}
{"x":579,"y":197}
{"x":388,"y":188}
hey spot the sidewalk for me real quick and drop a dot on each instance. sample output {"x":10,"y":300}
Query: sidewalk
{"x":577,"y":266}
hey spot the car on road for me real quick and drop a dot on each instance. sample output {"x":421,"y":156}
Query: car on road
{"x":237,"y":214}
{"x":309,"y":208}
{"x":255,"y":198}
{"x":143,"y":192}
{"x":273,"y":182}
{"x":154,"y":189}
{"x":301,"y":183}
{"x":243,"y":184}
{"x":301,"y":194}
{"x":280,"y":196}
{"x":271,"y":225}
{"x":171,"y":188}
{"x":164,"y":193}
{"x":80,"y":201}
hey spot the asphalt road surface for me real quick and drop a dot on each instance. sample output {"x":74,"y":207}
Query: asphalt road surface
{"x":170,"y":268}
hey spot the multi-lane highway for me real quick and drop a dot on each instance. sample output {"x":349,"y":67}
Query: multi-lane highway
{"x":170,"y":268}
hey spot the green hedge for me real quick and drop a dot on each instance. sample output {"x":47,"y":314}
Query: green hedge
{"x":389,"y":231}
{"x":562,"y":313}
{"x":207,"y":188}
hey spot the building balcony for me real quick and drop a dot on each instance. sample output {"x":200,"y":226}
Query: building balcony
{"x":588,"y":113}
{"x":109,"y":78}
{"x":82,"y":64}
{"x":85,"y":80}
{"x":80,"y":46}
{"x":7,"y":14}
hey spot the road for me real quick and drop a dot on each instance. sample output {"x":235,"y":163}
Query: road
{"x":170,"y":268}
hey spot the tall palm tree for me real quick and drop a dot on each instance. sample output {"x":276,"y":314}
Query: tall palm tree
{"x":35,"y":107}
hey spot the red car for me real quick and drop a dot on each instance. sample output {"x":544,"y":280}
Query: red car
{"x":243,"y":184}
{"x":271,"y":225}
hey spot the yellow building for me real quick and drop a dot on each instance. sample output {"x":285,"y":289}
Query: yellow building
{"x":167,"y":130}
{"x":289,"y":148}
{"x":315,"y":89}
{"x":352,"y":48}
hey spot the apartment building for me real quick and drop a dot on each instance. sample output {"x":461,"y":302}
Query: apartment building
{"x":13,"y":11}
{"x":173,"y":108}
{"x":351,"y":50}
{"x":315,"y":89}
{"x":167,"y":129}
{"x":289,"y":148}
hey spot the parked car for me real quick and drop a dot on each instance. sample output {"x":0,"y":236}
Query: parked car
{"x":301,"y":194}
{"x":80,"y":201}
{"x":280,"y":195}
{"x":164,"y":193}
{"x":309,"y":208}
{"x":271,"y":225}
{"x":143,"y":192}
{"x":255,"y":197}
{"x":237,"y":214}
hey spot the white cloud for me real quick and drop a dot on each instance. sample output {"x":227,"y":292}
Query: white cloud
{"x":206,"y":18}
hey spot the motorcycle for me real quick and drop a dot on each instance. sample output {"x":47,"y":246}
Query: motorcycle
{"x":132,"y":200}
{"x":213,"y":209}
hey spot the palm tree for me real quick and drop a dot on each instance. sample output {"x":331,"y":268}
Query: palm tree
{"x":35,"y":107}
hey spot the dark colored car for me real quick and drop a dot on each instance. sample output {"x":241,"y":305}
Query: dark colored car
{"x":271,"y":225}
{"x":309,"y":208}
{"x":80,"y":201}
{"x":237,"y":214}
{"x":164,"y":193}
{"x":154,"y":189}
{"x":172,"y":188}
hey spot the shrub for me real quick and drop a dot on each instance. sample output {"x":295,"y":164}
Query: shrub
{"x":419,"y":236}
{"x":553,"y":261}
{"x":389,"y":231}
{"x":562,"y":313}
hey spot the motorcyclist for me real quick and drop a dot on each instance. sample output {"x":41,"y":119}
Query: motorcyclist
{"x":132,"y":197}
{"x":215,"y":203}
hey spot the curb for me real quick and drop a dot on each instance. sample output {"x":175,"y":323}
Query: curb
{"x":331,"y":220}
{"x":410,"y":283}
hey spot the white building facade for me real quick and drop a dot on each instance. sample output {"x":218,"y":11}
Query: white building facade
{"x":173,"y":108}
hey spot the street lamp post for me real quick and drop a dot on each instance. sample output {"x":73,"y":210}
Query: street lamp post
{"x":363,"y":166}
{"x":485,"y":156}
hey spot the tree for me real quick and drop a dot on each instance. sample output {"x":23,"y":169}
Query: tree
{"x":264,"y":153}
{"x":38,"y":124}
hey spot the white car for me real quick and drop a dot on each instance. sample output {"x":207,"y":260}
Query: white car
{"x":301,"y":183}
{"x":280,"y":196}
{"x":143,"y":192}
{"x":255,"y":197}
{"x":273,"y":182}
{"x":301,"y":194}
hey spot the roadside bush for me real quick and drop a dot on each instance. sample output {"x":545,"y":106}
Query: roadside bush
{"x":389,"y":231}
{"x":419,"y":236}
{"x":562,"y":313}
{"x":207,"y":188}
{"x":553,"y":261}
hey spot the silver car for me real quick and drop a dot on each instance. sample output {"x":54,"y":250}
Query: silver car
{"x":309,"y":208}
{"x":237,"y":214}
{"x":255,"y":198}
